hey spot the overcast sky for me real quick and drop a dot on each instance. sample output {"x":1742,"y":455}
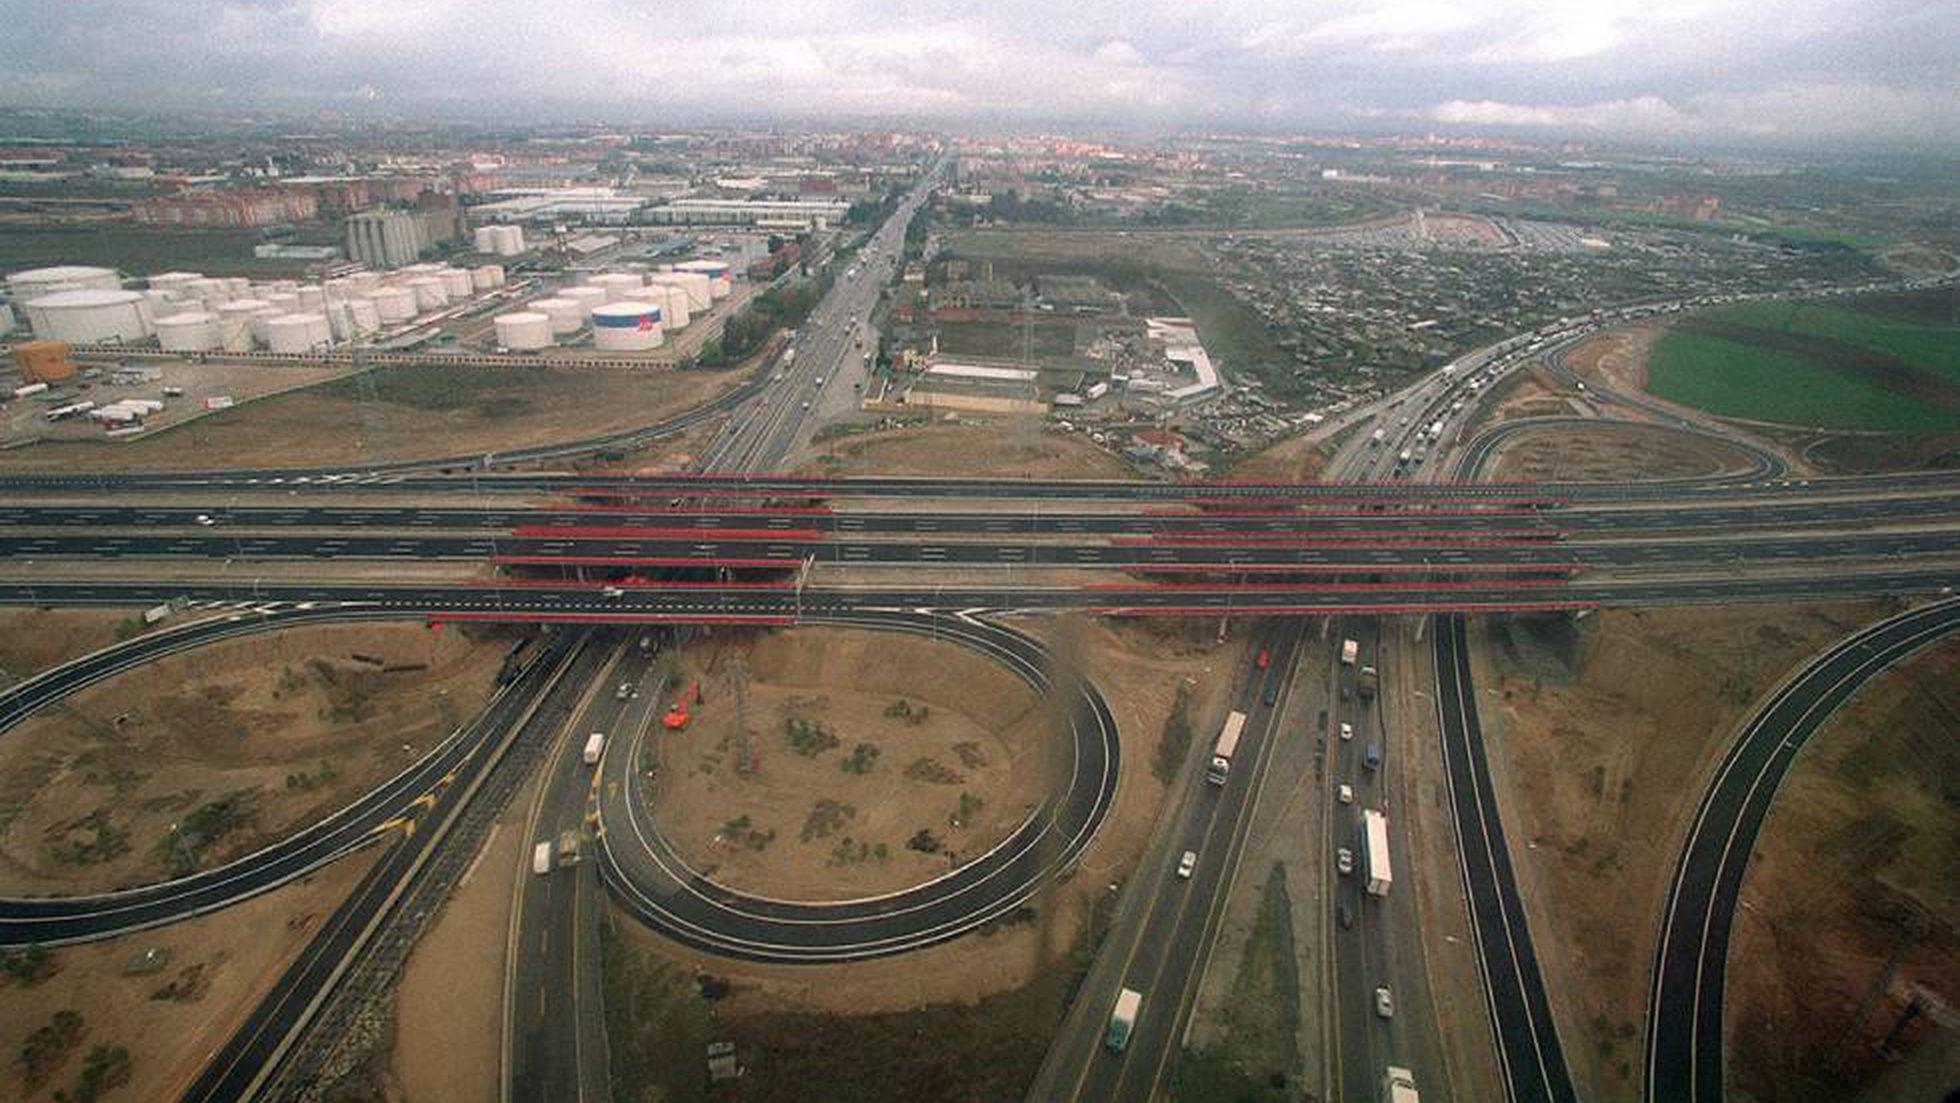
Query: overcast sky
{"x":1790,"y":70}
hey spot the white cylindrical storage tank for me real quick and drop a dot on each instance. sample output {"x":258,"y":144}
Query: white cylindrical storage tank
{"x":484,"y":239}
{"x":36,"y":282}
{"x":676,"y":311}
{"x":700,"y":288}
{"x":204,"y":287}
{"x":366,"y":317}
{"x":364,"y":283}
{"x":236,"y":285}
{"x":90,"y":317}
{"x":296,"y":332}
{"x":626,"y":327}
{"x":285,"y":302}
{"x":721,"y":280}
{"x":235,"y":324}
{"x":585,"y":296}
{"x":457,"y":283}
{"x":510,"y":240}
{"x":340,"y":321}
{"x":282,"y":287}
{"x":161,"y":301}
{"x":173,"y":281}
{"x":487,"y":277}
{"x":620,"y":286}
{"x":565,"y":315}
{"x":194,"y":331}
{"x":523,"y":330}
{"x":428,"y":291}
{"x":311,"y":299}
{"x":394,"y":304}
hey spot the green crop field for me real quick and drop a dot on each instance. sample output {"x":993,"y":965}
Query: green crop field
{"x":1811,"y":364}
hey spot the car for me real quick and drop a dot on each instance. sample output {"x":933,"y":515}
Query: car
{"x":205,"y":519}
{"x":1264,"y":660}
{"x":1384,"y":1003}
{"x":625,"y":692}
{"x":1272,"y":694}
{"x":1347,"y":730}
{"x":1345,"y":793}
{"x":612,"y":593}
{"x":1187,"y":863}
{"x":1344,"y":861}
{"x":1342,"y":913}
{"x":806,"y":405}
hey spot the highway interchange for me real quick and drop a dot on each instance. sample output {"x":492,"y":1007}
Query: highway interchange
{"x":630,"y":551}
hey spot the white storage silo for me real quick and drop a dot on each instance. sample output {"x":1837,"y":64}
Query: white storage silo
{"x":90,"y":316}
{"x":699,"y":288}
{"x":510,"y":240}
{"x":162,"y":301}
{"x":340,"y":320}
{"x":485,"y":239}
{"x":192,"y":331}
{"x":204,"y":287}
{"x":721,"y":281}
{"x":620,"y":287}
{"x":523,"y":330}
{"x":676,"y":311}
{"x":626,"y":327}
{"x":173,"y":281}
{"x":36,"y":282}
{"x":457,"y":283}
{"x":564,"y":314}
{"x":297,"y":333}
{"x":235,"y":324}
{"x":585,"y":296}
{"x":394,"y":304}
{"x":366,"y":317}
{"x":236,"y":286}
{"x":487,"y":277}
{"x":428,"y":291}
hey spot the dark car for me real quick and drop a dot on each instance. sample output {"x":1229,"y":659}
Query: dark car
{"x":1346,"y":917}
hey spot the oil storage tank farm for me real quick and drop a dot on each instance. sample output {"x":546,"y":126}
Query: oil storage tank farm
{"x":626,"y":327}
{"x":90,"y":316}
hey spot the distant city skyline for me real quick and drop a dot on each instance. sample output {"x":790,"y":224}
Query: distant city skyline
{"x":1684,"y":71}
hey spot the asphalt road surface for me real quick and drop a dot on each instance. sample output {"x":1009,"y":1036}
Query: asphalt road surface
{"x":1684,"y":1041}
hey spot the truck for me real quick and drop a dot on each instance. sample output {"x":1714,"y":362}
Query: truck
{"x":1374,"y":851}
{"x":1367,"y":682}
{"x":1228,"y":744}
{"x":30,"y":389}
{"x":1350,"y":651}
{"x":568,"y":848}
{"x":1123,"y":1019}
{"x":594,"y":745}
{"x":1436,"y":429}
{"x":1398,"y":1086}
{"x":541,"y":857}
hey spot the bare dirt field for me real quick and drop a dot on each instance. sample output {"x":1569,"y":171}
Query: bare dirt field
{"x":1007,"y":447}
{"x":1601,"y":734}
{"x":970,"y":1019}
{"x":1298,"y":459}
{"x":1850,"y":903}
{"x":234,"y":744}
{"x":1607,"y":453}
{"x":167,"y":1021}
{"x":22,"y":422}
{"x":449,"y":1007}
{"x":33,"y":640}
{"x":1617,"y":358}
{"x":399,"y":413}
{"x":861,"y":740}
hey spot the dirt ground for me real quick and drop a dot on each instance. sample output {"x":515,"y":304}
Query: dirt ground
{"x":1617,"y":358}
{"x":1850,"y":903}
{"x":23,"y":421}
{"x":1601,"y":734}
{"x":449,"y":1009}
{"x":969,"y":1019}
{"x":1298,"y":459}
{"x":235,"y":744}
{"x":169,"y":1020}
{"x":1607,"y":453}
{"x":1008,"y":447}
{"x":813,"y":826}
{"x":33,"y":640}
{"x":491,"y":412}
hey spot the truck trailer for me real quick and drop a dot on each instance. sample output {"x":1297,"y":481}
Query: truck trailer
{"x":1350,"y":651}
{"x":1374,"y":849}
{"x":1227,"y":746}
{"x":1123,"y":1019}
{"x":595,"y":744}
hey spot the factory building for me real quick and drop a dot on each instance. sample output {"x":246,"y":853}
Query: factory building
{"x":982,"y":388}
{"x":782,"y":214}
{"x":240,"y":207}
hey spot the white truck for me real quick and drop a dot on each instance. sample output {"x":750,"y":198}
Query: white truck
{"x":1374,"y":849}
{"x":1123,"y":1019}
{"x":1398,"y":1086}
{"x":595,"y":744}
{"x":1350,"y":651}
{"x":541,"y":857}
{"x":1226,"y":747}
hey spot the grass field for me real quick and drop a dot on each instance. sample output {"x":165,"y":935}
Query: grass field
{"x":1045,"y":340}
{"x":138,"y":252}
{"x":1890,"y":365}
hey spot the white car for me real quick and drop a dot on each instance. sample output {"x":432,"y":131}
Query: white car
{"x":1345,"y":793}
{"x":1347,"y":730}
{"x":612,"y":593}
{"x":1187,"y":863}
{"x":1344,"y":861}
{"x":1384,"y":1003}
